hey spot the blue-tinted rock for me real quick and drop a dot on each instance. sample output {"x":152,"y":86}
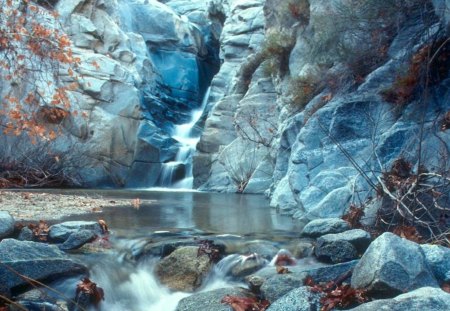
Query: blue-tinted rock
{"x":425,"y":298}
{"x":392,"y":265}
{"x":6,"y":224}
{"x":318,"y":227}
{"x":438,"y":258}
{"x":61,"y":232}
{"x":37,"y":261}
{"x":78,"y":239}
{"x":299,"y":299}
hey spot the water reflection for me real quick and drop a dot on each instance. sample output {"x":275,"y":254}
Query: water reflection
{"x":208,"y":212}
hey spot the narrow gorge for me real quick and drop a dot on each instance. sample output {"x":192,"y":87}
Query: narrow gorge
{"x":290,"y":99}
{"x":218,"y":155}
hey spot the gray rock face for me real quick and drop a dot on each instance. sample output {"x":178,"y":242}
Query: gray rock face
{"x":183,"y":270}
{"x":438,"y":258}
{"x":277,"y":285}
{"x":343,"y":246}
{"x":35,"y":260}
{"x":211,"y":299}
{"x":299,"y":299}
{"x":319,"y":227}
{"x":6,"y":224}
{"x":78,"y":239}
{"x":426,"y":298}
{"x":61,"y":232}
{"x":392,"y":265}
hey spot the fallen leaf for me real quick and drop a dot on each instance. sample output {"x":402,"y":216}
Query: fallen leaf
{"x":245,"y":303}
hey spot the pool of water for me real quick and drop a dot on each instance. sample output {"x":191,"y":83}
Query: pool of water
{"x":213,"y":213}
{"x":133,"y":286}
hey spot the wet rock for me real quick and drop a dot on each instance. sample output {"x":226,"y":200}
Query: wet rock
{"x":61,"y":232}
{"x":210,"y":300}
{"x":78,"y":239}
{"x":319,"y":227}
{"x":335,"y":252}
{"x":35,"y":260}
{"x":6,"y":224}
{"x":425,"y":298}
{"x":183,"y":270}
{"x":281,"y":284}
{"x":165,"y":248}
{"x":392,"y":265}
{"x":438,"y":258}
{"x":265,"y":249}
{"x":303,"y":249}
{"x":299,"y":299}
{"x":239,"y":266}
{"x":342,"y":247}
{"x":26,"y":234}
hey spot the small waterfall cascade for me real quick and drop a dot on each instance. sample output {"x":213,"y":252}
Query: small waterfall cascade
{"x":178,"y":173}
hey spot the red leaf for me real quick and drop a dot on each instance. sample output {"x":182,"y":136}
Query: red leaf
{"x":245,"y":303}
{"x":95,"y":293}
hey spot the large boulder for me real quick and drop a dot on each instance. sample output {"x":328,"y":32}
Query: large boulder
{"x":34,"y":260}
{"x":392,"y":265}
{"x":425,"y":298}
{"x":438,"y":258}
{"x":318,"y":227}
{"x":6,"y":224}
{"x":341,"y":247}
{"x":183,"y":270}
{"x":299,"y":299}
{"x":61,"y":232}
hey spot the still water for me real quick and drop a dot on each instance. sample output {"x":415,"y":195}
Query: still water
{"x":133,"y":286}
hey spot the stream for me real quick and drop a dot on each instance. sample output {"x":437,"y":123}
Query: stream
{"x":169,"y":215}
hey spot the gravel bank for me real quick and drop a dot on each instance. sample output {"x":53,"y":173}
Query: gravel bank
{"x":25,"y":206}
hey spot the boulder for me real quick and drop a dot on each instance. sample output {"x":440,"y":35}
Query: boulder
{"x":183,"y":270}
{"x":341,"y":247}
{"x":299,"y":299}
{"x":392,"y":265}
{"x":239,"y":266}
{"x":281,"y":284}
{"x":34,"y":260}
{"x":319,"y":227}
{"x":425,"y":298}
{"x":276,"y":285}
{"x":210,"y":300}
{"x":438,"y":258}
{"x":61,"y":232}
{"x":78,"y":239}
{"x":6,"y":224}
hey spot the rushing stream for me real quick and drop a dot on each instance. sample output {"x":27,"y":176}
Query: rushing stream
{"x":167,"y":215}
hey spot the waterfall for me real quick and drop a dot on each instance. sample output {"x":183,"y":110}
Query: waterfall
{"x":178,"y":173}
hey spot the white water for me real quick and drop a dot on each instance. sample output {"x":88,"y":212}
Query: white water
{"x":183,"y":134}
{"x":137,"y":289}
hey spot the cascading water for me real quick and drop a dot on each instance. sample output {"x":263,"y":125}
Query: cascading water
{"x":173,"y":172}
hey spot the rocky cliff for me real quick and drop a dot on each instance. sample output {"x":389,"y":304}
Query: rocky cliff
{"x":143,"y":67}
{"x":308,"y":101}
{"x":315,"y":99}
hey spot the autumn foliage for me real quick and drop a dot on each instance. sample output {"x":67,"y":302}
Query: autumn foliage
{"x":337,"y":294}
{"x":34,"y":53}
